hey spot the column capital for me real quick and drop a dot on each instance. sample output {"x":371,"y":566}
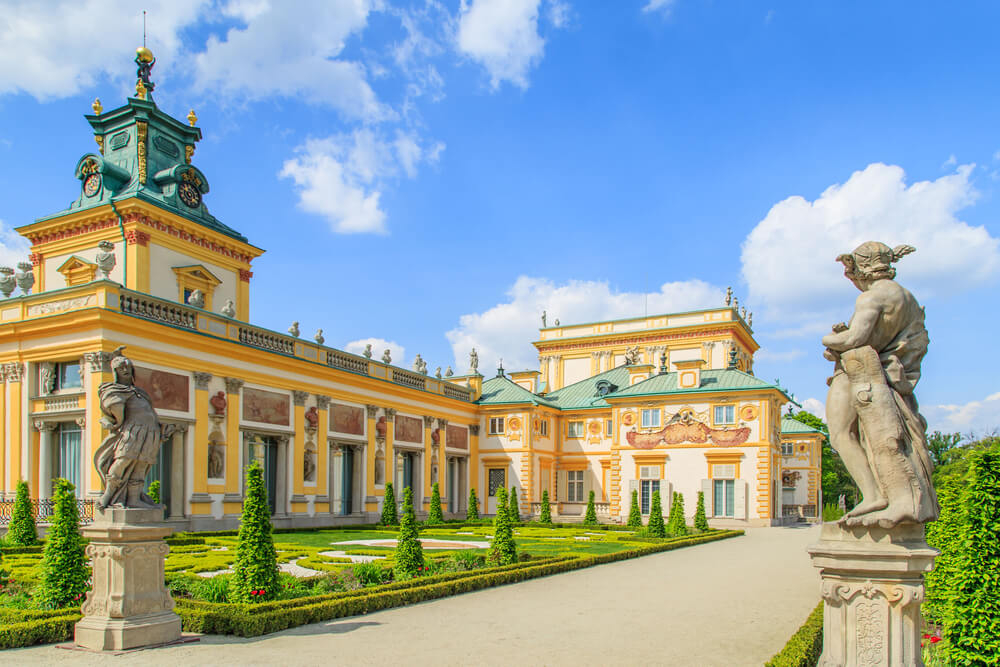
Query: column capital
{"x":299,"y":397}
{"x":13,"y":371}
{"x":390,"y":414}
{"x":97,"y":362}
{"x":474,"y":429}
{"x":44,"y":425}
{"x":372,"y":411}
{"x":201,"y":380}
{"x":233,"y":385}
{"x":442,"y":423}
{"x":428,"y":421}
{"x":323,"y":402}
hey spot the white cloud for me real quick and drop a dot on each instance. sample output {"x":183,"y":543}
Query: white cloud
{"x":57,"y":48}
{"x":950,"y":162}
{"x":815,"y":406}
{"x":507,"y":329}
{"x":974,"y":416}
{"x":501,"y":35}
{"x":379,"y":345}
{"x":341,"y":177}
{"x":663,"y":6}
{"x":767,"y":354}
{"x":14,"y":248}
{"x":558,"y":13}
{"x":788,"y":258}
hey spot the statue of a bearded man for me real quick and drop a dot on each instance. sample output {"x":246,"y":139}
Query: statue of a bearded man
{"x":874,"y":420}
{"x":124,"y":457}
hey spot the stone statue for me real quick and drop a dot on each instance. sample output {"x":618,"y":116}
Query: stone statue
{"x":47,"y":377}
{"x":368,"y":351}
{"x":312,"y":417}
{"x":218,"y":403}
{"x":196,"y":298}
{"x":381,"y":427}
{"x":729,"y":296}
{"x":632,"y":356}
{"x":309,"y":467}
{"x":229,"y":309}
{"x":216,"y":461}
{"x":319,"y":337}
{"x":436,"y":436}
{"x":474,"y":361}
{"x":448,"y":373}
{"x":7,"y":281}
{"x":124,"y":457}
{"x":419,"y":365}
{"x":557,"y":321}
{"x":294,"y":329}
{"x":25,"y":277}
{"x":544,"y":320}
{"x":106,"y":258}
{"x":387,"y":357}
{"x":872,"y":412}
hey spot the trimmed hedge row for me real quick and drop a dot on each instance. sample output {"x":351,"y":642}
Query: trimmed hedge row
{"x":805,"y":646}
{"x":25,"y":627}
{"x":8,"y":551}
{"x":184,"y":541}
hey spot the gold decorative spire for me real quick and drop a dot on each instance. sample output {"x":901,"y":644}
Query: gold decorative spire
{"x":142,"y":54}
{"x":96,"y":106}
{"x":140,"y":90}
{"x":192,"y":118}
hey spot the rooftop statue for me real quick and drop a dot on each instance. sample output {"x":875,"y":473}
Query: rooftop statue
{"x":871,"y":409}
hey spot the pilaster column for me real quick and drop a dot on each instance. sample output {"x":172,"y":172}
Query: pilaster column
{"x":429,"y":449}
{"x":13,"y":372}
{"x":442,"y":460}
{"x":299,"y":453}
{"x":475,"y":474}
{"x":179,"y":474}
{"x":200,"y":463}
{"x":391,"y":474}
{"x":45,"y":432}
{"x":234,"y":450}
{"x":371,"y":412}
{"x":322,"y":450}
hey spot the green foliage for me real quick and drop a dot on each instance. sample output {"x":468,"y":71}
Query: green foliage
{"x":832,"y":512}
{"x":55,"y":626}
{"x":700,"y":520}
{"x":805,"y":646}
{"x":676,"y":523}
{"x":503,"y":550}
{"x":940,"y":446}
{"x":154,"y":491}
{"x":389,"y":517}
{"x":255,"y":569}
{"x":634,"y":513}
{"x":546,"y":513}
{"x":956,"y":458}
{"x":513,"y":507}
{"x":64,"y":571}
{"x":590,"y":518}
{"x":472,"y":511}
{"x":435,"y":515}
{"x":836,"y":479}
{"x":945,"y":535}
{"x":971,"y":621}
{"x":655,"y":528}
{"x":21,"y":532}
{"x":409,"y":559}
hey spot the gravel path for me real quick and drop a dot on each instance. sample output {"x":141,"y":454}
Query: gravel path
{"x":734,"y":602}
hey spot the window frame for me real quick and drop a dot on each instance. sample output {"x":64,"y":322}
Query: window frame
{"x":728,"y":504}
{"x":490,"y":488}
{"x":609,"y":428}
{"x":787,"y":448}
{"x":729,"y":408}
{"x":492,"y":426}
{"x":651,"y":412}
{"x":571,"y":429}
{"x":574,"y":480}
{"x":543,"y":428}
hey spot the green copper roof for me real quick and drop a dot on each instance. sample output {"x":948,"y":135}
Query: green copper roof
{"x":584,"y":394}
{"x":501,"y":389}
{"x":711,"y":380}
{"x":789,"y":425}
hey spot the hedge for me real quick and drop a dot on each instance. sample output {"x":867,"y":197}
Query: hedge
{"x":805,"y":646}
{"x":10,"y":551}
{"x":24,"y":627}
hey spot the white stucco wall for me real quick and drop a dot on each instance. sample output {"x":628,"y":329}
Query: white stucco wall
{"x":51,"y":264}
{"x":163,"y":281}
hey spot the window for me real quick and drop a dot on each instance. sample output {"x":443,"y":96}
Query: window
{"x":723,"y":470}
{"x":649,"y":483}
{"x":574,"y":486}
{"x":609,"y":428}
{"x":497,"y":479}
{"x":651,"y":418}
{"x":787,"y":449}
{"x":61,"y":375}
{"x":543,"y":428}
{"x":725,"y":414}
{"x":69,"y":454}
{"x":496,"y":426}
{"x":725,"y":495}
{"x":574,"y":430}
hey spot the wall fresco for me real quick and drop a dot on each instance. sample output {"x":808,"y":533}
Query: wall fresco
{"x":457,"y":437}
{"x":265,"y":407}
{"x":347,"y":419}
{"x":408,"y":429}
{"x":169,"y":391}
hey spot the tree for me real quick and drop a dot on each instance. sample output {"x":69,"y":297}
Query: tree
{"x":513,"y":506}
{"x":154,"y":491}
{"x":472,"y":511}
{"x":700,"y":520}
{"x":940,"y":445}
{"x":503,"y":551}
{"x":22,"y":531}
{"x":435,"y":515}
{"x":836,"y":480}
{"x":634,"y":513}
{"x":255,"y":569}
{"x":655,"y":526}
{"x":679,"y":526}
{"x":409,"y":556}
{"x":945,"y":534}
{"x":672,"y":514}
{"x":546,"y":513}
{"x":389,"y":517}
{"x":955,"y":460}
{"x":590,"y":518}
{"x":64,"y":566}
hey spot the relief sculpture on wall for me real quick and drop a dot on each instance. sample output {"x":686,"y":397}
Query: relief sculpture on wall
{"x":684,"y":427}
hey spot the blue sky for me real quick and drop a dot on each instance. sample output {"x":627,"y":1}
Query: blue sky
{"x":434,"y":174}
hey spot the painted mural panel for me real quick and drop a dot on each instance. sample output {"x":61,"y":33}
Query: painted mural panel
{"x":169,"y":391}
{"x":457,"y":437}
{"x":409,"y":429}
{"x":347,"y":419}
{"x":265,"y":407}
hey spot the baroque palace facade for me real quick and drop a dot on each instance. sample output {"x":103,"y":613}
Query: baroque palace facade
{"x":654,"y":404}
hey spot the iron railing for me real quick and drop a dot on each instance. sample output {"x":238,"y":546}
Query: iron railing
{"x":42,"y":510}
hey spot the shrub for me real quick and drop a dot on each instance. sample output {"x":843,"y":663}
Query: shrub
{"x":945,"y":534}
{"x":655,"y":528}
{"x":64,"y":566}
{"x":409,"y":557}
{"x":43,"y":630}
{"x":634,"y":513}
{"x":472,"y":511}
{"x":503,"y":550}
{"x":435,"y":515}
{"x":700,"y":520}
{"x":513,"y":507}
{"x":210,"y":589}
{"x":546,"y":514}
{"x":255,"y":569}
{"x":590,"y":518}
{"x":677,"y":524}
{"x":466,"y":559}
{"x":154,"y":491}
{"x":972,"y":616}
{"x":805,"y":646}
{"x":370,"y":574}
{"x":832,"y":512}
{"x":389,"y":517}
{"x":22,"y":532}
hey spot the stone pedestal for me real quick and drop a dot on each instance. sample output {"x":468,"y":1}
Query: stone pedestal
{"x":128,"y":606}
{"x":873,"y":584}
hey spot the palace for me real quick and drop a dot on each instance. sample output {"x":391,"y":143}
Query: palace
{"x":667,"y":403}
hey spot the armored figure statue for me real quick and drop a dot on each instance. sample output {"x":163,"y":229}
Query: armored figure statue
{"x":368,"y":351}
{"x":124,"y":457}
{"x":387,"y":357}
{"x":474,"y":361}
{"x":874,"y":420}
{"x":632,"y":356}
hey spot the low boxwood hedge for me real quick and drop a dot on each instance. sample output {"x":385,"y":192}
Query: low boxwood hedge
{"x":805,"y":646}
{"x":25,"y":627}
{"x":36,"y":549}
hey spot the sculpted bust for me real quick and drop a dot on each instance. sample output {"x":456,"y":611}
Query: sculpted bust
{"x":875,"y":424}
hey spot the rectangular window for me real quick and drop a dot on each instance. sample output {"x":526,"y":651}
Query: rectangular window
{"x":574,"y":430}
{"x":543,"y":428}
{"x":574,"y":486}
{"x":787,"y":448}
{"x":609,"y":428}
{"x":651,"y":418}
{"x":725,"y":414}
{"x":647,"y":487}
{"x":69,"y":454}
{"x":496,"y":426}
{"x":725,"y":497}
{"x":67,"y":375}
{"x":497,"y":479}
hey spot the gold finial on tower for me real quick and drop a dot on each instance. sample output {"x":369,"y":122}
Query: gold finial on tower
{"x":192,"y":118}
{"x":140,"y":90}
{"x":144,"y":55}
{"x":96,"y":106}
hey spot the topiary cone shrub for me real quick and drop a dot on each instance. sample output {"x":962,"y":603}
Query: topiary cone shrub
{"x":634,"y":513}
{"x":409,"y":557}
{"x":389,"y":517}
{"x":255,"y":570}
{"x":680,"y":522}
{"x":64,"y":571}
{"x":472,"y":511}
{"x":434,"y":515}
{"x":546,"y":514}
{"x":656,"y":527}
{"x":590,"y":518}
{"x":22,"y":532}
{"x":700,"y":520}
{"x":513,"y":507}
{"x":503,"y":551}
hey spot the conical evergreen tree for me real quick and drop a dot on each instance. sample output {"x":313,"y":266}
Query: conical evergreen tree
{"x":64,"y":566}
{"x":672,"y":514}
{"x":590,"y":518}
{"x":700,"y":520}
{"x":472,"y":511}
{"x":435,"y":515}
{"x":513,"y":507}
{"x":503,"y":551}
{"x":409,"y":556}
{"x":546,"y":513}
{"x":255,"y":569}
{"x":22,"y":532}
{"x":656,"y":527}
{"x":680,"y":525}
{"x":389,"y":517}
{"x":634,"y":513}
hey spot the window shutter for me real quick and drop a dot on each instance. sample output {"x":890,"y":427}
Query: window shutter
{"x":633,"y":485}
{"x":740,"y":504}
{"x":563,"y":486}
{"x":706,"y":492}
{"x":666,"y":497}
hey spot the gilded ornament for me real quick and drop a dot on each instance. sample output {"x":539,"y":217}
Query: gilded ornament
{"x":188,"y":153}
{"x":141,"y":149}
{"x":100,"y":142}
{"x":192,"y":118}
{"x":140,"y":90}
{"x":96,"y":106}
